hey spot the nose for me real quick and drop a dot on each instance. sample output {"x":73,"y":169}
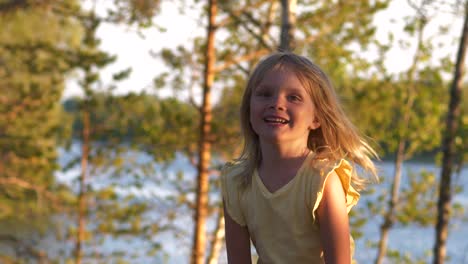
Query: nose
{"x":277,"y":103}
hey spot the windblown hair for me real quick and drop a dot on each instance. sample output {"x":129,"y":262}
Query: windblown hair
{"x":336,"y":138}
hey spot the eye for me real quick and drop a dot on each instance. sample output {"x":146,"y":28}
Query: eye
{"x":263,"y":93}
{"x":295,"y":98}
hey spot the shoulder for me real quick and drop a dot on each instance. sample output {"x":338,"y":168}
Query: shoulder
{"x":340,"y":171}
{"x":334,"y":181}
{"x":332,"y":215}
{"x":325,"y":165}
{"x":324,"y":168}
{"x":232,"y":170}
{"x":232,"y":176}
{"x":320,"y":169}
{"x":231,"y":182}
{"x":333,"y":186}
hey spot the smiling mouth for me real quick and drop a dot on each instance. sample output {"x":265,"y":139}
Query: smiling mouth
{"x":275,"y":120}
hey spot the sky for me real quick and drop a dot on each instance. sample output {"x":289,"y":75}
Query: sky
{"x":133,"y":50}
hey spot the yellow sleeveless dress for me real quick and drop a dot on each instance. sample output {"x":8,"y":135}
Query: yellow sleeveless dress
{"x":282,"y":225}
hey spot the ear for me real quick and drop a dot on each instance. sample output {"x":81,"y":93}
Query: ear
{"x":315,"y":124}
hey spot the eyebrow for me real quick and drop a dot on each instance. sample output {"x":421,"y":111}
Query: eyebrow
{"x":296,"y":90}
{"x":262,"y":86}
{"x":288,"y":88}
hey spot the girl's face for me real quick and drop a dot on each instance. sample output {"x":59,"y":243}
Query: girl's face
{"x":281,"y":110}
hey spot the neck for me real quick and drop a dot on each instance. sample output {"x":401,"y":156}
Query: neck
{"x":277,"y":156}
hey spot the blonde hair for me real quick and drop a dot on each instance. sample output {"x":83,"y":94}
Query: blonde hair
{"x":336,"y":138}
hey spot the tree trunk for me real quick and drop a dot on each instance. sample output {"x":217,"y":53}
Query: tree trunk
{"x":204,"y":156}
{"x":288,"y":23}
{"x":389,"y":218}
{"x":218,"y":237}
{"x":445,"y":192}
{"x":270,"y":17}
{"x":80,"y":236}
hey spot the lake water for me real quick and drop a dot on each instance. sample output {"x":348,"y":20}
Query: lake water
{"x":412,"y":240}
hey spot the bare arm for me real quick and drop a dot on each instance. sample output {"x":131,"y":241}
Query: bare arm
{"x":237,"y":241}
{"x":334,"y":225}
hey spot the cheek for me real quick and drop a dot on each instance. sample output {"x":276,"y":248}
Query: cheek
{"x":253,"y":120}
{"x":253,"y":111}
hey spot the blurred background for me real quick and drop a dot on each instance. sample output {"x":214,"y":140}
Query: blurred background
{"x":117,"y":115}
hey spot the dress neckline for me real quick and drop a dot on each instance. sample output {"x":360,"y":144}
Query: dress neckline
{"x":286,"y":186}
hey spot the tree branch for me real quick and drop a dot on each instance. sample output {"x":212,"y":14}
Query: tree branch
{"x":254,"y":34}
{"x":13,"y":5}
{"x":21,"y":248}
{"x":261,"y":52}
{"x":237,"y":12}
{"x":27,"y":185}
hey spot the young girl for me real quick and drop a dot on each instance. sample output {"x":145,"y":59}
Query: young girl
{"x":290,"y":191}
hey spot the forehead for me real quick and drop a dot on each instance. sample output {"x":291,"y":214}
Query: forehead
{"x":283,"y":75}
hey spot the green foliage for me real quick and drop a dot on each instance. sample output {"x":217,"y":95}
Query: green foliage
{"x":396,"y":256}
{"x":35,"y":61}
{"x":33,"y":64}
{"x":461,"y":144}
{"x":357,"y":222}
{"x":140,"y":12}
{"x":120,"y":126}
{"x":226,"y":125}
{"x":418,"y":200}
{"x":159,"y":127}
{"x":406,"y":108}
{"x":385,"y":123}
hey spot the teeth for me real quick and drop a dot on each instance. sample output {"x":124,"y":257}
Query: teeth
{"x":276,"y":120}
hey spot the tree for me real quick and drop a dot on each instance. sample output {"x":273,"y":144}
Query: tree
{"x":402,"y":124}
{"x":104,"y":142}
{"x":445,"y":188}
{"x":247,"y":30}
{"x":204,"y":148}
{"x":33,"y":62}
{"x":129,"y":143}
{"x":400,"y":154}
{"x":288,"y":23}
{"x":88,"y":58}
